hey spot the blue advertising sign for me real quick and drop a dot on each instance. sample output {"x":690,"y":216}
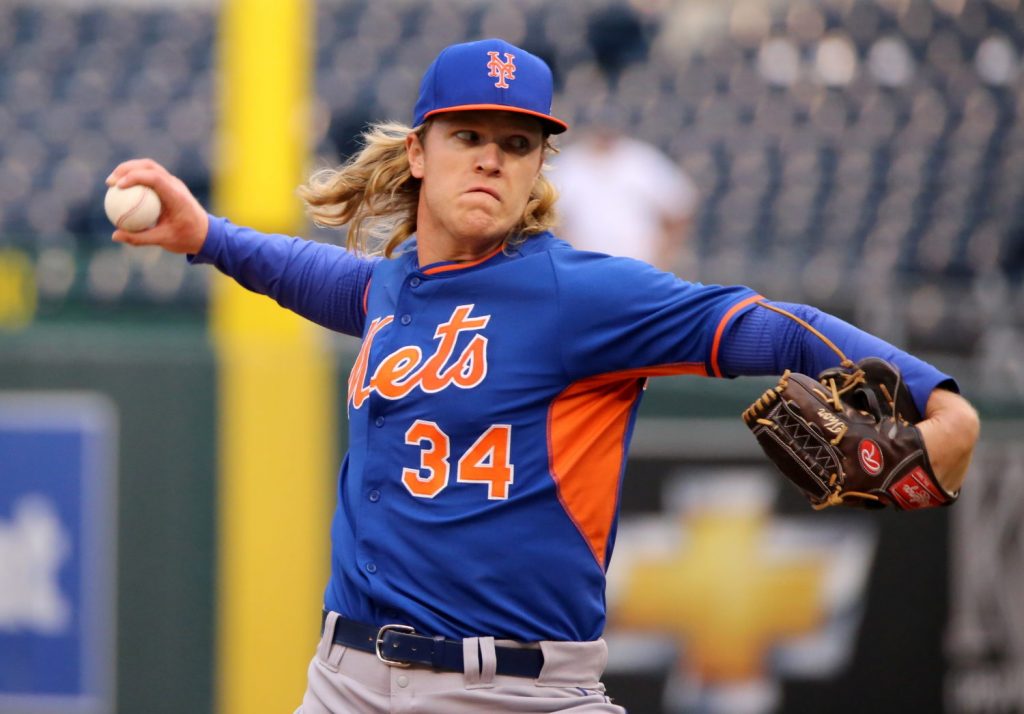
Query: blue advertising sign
{"x":57,"y":553}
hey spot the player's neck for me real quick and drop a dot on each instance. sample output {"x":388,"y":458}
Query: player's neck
{"x":438,"y":247}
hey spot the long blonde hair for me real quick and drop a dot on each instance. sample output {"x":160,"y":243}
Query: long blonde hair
{"x":376,"y":196}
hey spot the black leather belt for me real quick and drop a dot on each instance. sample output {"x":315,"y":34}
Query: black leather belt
{"x":399,"y":645}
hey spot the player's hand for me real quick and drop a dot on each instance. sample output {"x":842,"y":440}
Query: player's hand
{"x":183,"y":221}
{"x":949,"y":431}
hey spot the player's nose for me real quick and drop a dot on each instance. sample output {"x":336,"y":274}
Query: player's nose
{"x":490,"y":157}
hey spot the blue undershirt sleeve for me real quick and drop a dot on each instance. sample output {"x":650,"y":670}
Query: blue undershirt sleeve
{"x":763,"y":342}
{"x":321,"y":282}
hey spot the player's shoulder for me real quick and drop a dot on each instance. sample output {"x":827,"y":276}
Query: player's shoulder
{"x":541,"y":243}
{"x":558,"y":250}
{"x":591,"y":272}
{"x":402,"y":260}
{"x":567,"y":256}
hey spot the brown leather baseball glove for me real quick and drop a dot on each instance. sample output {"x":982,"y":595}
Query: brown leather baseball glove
{"x":848,"y":437}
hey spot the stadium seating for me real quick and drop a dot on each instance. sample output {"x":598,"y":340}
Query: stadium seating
{"x":866,"y":156}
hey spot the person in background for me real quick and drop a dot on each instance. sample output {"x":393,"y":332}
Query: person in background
{"x":622,"y":196}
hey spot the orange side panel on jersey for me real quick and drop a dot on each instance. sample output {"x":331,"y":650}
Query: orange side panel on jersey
{"x":586,"y":446}
{"x":366,"y":297}
{"x":721,"y":330}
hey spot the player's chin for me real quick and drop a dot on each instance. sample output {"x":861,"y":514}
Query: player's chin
{"x":482,"y":225}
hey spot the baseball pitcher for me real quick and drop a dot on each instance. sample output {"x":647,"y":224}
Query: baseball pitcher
{"x":493,"y":400}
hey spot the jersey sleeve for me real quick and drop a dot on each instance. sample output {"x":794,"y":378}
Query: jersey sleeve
{"x":764,"y":342}
{"x":321,"y":282}
{"x":619,"y":314}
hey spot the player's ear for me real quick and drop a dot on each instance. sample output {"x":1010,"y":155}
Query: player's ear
{"x":546,"y":150}
{"x":414,"y":151}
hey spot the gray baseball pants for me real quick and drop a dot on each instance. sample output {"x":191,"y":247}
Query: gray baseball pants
{"x":343,"y":680}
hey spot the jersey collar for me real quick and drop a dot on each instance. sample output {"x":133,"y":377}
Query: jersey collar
{"x":504,"y":253}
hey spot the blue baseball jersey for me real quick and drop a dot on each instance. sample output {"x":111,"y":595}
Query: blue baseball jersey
{"x":490,"y":411}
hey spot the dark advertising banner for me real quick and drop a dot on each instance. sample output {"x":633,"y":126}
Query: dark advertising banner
{"x":57,"y":553}
{"x":728,"y":594}
{"x":984,"y":640}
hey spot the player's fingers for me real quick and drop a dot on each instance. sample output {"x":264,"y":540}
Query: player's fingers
{"x":159,"y":235}
{"x":148,"y":175}
{"x":183,"y":236}
{"x":128,"y":167}
{"x":151,"y":236}
{"x":173,"y":194}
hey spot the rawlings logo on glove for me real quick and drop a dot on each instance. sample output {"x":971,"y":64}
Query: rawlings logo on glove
{"x":848,"y":437}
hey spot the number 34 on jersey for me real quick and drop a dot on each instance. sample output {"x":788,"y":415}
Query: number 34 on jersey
{"x":486,"y":462}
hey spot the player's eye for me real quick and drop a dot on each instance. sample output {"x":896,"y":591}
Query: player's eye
{"x":518,"y":143}
{"x":467,"y":135}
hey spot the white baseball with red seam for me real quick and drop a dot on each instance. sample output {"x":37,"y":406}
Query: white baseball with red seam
{"x":135,"y":208}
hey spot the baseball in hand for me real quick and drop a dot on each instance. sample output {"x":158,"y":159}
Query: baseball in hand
{"x":135,"y":208}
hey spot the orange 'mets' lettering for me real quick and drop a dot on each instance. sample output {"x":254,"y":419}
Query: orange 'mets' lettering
{"x":405,"y":369}
{"x":357,"y":393}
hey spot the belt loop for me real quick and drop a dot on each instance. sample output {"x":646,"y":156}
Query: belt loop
{"x":437,"y":652}
{"x":471,"y":661}
{"x":327,"y":638}
{"x":488,"y":660}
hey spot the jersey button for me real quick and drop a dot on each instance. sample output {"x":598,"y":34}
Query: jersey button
{"x":374,"y":495}
{"x":403,"y":681}
{"x":379,"y":421}
{"x":371,"y":567}
{"x":406,"y":319}
{"x":415,"y":282}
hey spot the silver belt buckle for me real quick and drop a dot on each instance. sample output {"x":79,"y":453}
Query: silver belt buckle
{"x":380,"y":642}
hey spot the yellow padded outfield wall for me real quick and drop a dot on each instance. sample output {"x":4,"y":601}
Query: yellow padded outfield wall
{"x":276,"y":416}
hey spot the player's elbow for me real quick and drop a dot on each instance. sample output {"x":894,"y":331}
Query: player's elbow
{"x":971,"y":424}
{"x":964,"y":423}
{"x":951,"y":430}
{"x":968,"y":427}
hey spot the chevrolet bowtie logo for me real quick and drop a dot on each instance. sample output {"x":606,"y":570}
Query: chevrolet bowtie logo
{"x":726,"y":598}
{"x":747,"y":596}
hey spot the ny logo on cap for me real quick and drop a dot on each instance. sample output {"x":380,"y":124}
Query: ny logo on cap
{"x":501,"y":70}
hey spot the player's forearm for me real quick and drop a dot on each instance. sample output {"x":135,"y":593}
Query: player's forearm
{"x":764,"y":342}
{"x":950,"y":431}
{"x":321,"y":282}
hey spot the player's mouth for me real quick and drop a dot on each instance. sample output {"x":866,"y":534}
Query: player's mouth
{"x":484,"y":189}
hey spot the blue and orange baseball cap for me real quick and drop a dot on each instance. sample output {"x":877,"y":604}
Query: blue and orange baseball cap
{"x":487,"y":74}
